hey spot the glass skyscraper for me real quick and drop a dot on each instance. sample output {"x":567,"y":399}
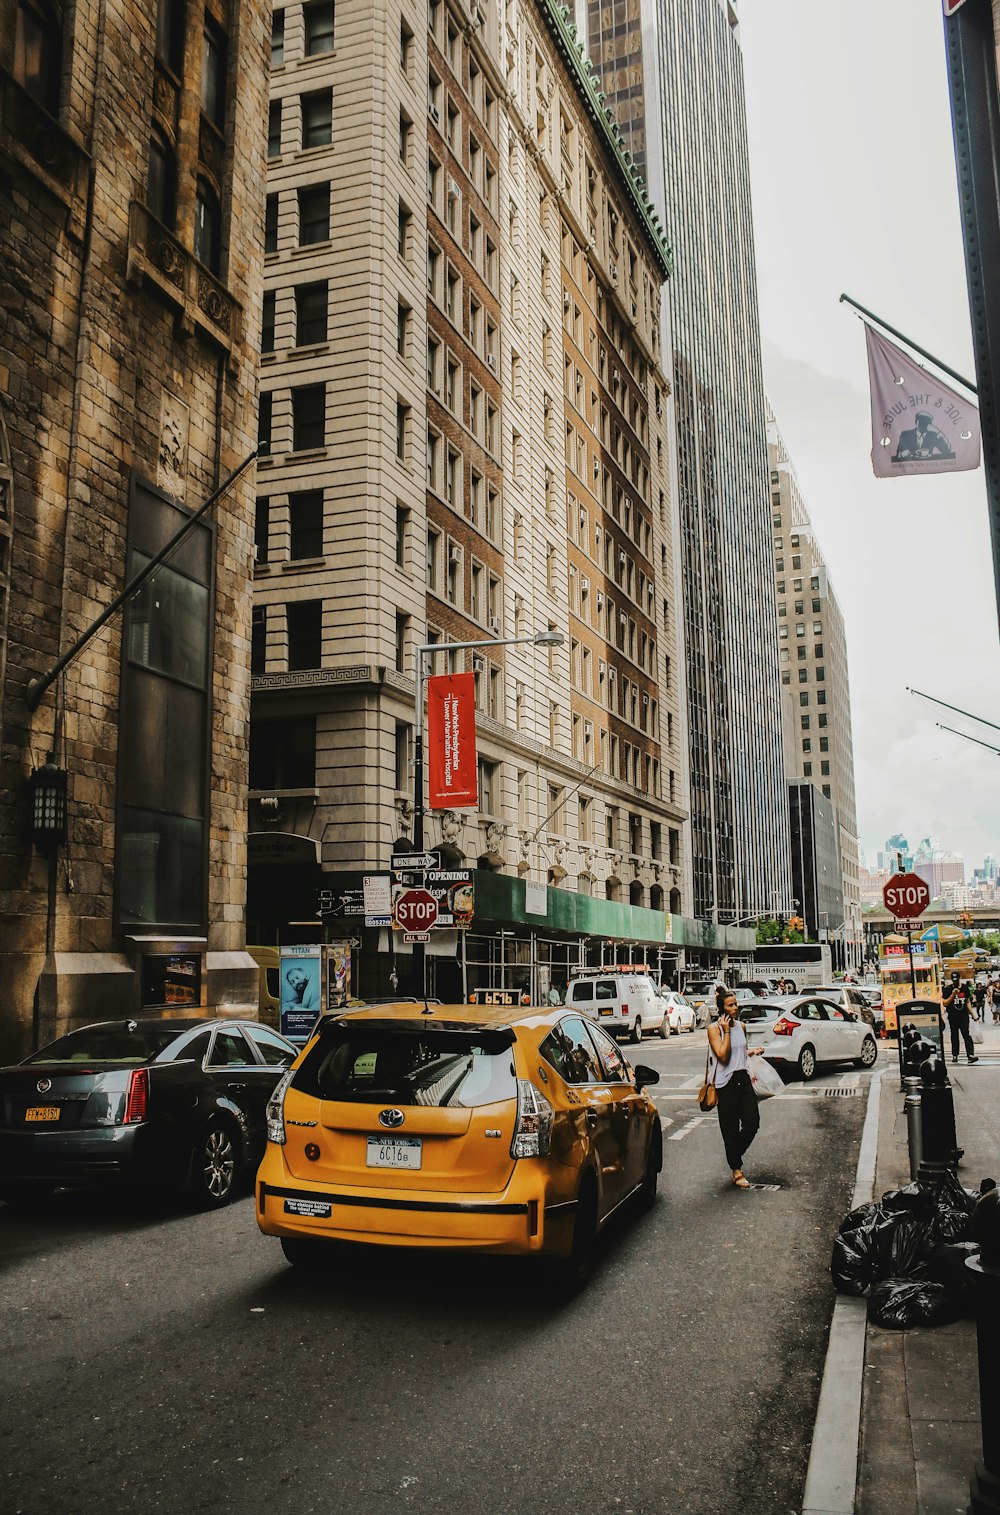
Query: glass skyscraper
{"x":672,"y":71}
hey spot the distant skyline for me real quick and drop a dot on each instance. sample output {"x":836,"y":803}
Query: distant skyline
{"x":854,"y":186}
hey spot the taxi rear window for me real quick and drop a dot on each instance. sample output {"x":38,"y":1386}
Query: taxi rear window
{"x":364,"y":1063}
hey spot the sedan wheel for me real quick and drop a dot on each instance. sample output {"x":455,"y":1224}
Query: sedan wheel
{"x":654,"y":1164}
{"x":637,"y":1031}
{"x":869,"y":1053}
{"x":573,"y":1273}
{"x":308,"y":1254}
{"x":807,"y":1063}
{"x":213,"y":1168}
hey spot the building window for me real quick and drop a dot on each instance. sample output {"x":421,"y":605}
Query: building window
{"x":433,"y":558}
{"x":274,"y":129}
{"x":283,"y":753}
{"x":271,"y":224}
{"x":402,"y":328}
{"x":170,"y":35}
{"x":488,"y":795}
{"x":824,"y":767}
{"x":258,"y":640}
{"x":161,"y":190}
{"x":402,"y":628}
{"x":267,"y":322}
{"x":308,"y":417}
{"x":402,"y":529}
{"x":807,"y":769}
{"x":402,"y":758}
{"x":403,"y":222}
{"x":317,"y":118}
{"x":804,"y":698}
{"x":318,"y":16}
{"x":207,"y":227}
{"x":38,"y":54}
{"x":305,"y":634}
{"x":314,"y":214}
{"x":402,"y":427}
{"x":826,"y":791}
{"x":310,"y":313}
{"x":261,"y":529}
{"x":277,"y":38}
{"x":305,"y":511}
{"x":213,"y":74}
{"x":264,"y":410}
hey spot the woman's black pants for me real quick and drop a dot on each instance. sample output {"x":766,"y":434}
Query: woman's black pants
{"x":739,"y":1118}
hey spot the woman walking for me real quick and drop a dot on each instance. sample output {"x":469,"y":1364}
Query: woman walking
{"x":739,"y":1118}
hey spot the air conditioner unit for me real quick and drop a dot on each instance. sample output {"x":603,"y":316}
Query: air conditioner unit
{"x":491,"y":362}
{"x":645,"y":699}
{"x":566,"y":301}
{"x":613,"y":270}
{"x":454,"y":553}
{"x":494,"y":623}
{"x":478,"y":662}
{"x":454,"y":193}
{"x":434,"y":114}
{"x":521,"y":690}
{"x":584,"y":586}
{"x":621,"y":558}
{"x":600,"y":600}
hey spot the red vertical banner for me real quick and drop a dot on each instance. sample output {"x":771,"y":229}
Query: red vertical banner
{"x":451,"y":741}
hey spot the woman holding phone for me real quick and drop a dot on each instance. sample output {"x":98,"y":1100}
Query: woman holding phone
{"x":739,"y":1117}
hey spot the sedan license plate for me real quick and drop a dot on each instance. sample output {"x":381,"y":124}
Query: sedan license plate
{"x":394,"y":1152}
{"x":42,"y":1112}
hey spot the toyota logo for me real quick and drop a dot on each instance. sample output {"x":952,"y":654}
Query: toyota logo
{"x":391,"y":1118}
{"x":44,"y":1085}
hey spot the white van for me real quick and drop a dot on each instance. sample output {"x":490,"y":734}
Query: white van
{"x":622,"y":1002}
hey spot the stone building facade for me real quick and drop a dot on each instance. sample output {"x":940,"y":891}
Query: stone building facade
{"x":463,"y":390}
{"x":131,"y":201}
{"x":815,"y":689}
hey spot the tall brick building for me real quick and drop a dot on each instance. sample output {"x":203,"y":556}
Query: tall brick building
{"x":462,"y":384}
{"x":131,"y":201}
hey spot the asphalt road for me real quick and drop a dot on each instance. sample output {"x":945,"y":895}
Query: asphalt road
{"x":162,"y":1361}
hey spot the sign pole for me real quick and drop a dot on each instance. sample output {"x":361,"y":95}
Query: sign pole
{"x":419,"y":950}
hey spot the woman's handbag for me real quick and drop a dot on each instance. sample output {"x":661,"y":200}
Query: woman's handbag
{"x":708,"y":1094}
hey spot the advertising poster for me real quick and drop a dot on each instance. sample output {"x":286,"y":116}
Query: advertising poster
{"x":338,"y":975}
{"x":454,"y":892}
{"x":451,"y":741}
{"x":301,"y":991}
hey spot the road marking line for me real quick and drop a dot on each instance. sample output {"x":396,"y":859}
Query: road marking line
{"x":677,"y":1136}
{"x":665,"y":1121}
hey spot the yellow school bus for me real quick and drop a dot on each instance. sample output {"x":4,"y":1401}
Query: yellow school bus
{"x":897,"y":980}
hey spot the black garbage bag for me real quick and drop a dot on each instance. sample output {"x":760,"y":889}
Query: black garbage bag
{"x":864,"y":1216}
{"x":894,"y":1246}
{"x":897,"y":1303}
{"x":946,"y":1266}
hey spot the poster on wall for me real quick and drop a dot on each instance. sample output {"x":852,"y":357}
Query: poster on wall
{"x":451,"y":741}
{"x":338,"y":975}
{"x":301,"y":991}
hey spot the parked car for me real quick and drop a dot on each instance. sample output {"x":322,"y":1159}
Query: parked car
{"x":477,"y":1127}
{"x":853,"y":997}
{"x":761,"y":988}
{"x":700,"y":995}
{"x":622,"y":1002}
{"x":801,"y":1034}
{"x":680,"y":1015}
{"x":176,"y":1102}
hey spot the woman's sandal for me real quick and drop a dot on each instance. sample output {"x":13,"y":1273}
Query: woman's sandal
{"x":740,"y":1179}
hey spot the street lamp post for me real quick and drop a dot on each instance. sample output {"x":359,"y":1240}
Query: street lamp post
{"x":425,"y":652}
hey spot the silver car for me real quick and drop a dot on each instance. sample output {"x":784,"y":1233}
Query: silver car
{"x":802,"y":1032}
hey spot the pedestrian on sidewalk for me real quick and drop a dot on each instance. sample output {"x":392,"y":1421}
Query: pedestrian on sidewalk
{"x":980,"y":999}
{"x":994,"y":1000}
{"x":956,"y":1008}
{"x":739,"y":1116}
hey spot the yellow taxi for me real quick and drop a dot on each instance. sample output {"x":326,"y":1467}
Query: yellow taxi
{"x":484,"y":1128}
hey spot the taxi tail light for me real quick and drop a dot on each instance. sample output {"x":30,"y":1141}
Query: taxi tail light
{"x":784,"y":1027}
{"x":275,"y":1117}
{"x":137,"y":1098}
{"x":533,"y":1127}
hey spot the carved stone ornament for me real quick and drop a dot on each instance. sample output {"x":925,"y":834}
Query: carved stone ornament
{"x":496,"y":835}
{"x":175,"y":419}
{"x":404,"y":816}
{"x":451,"y":826}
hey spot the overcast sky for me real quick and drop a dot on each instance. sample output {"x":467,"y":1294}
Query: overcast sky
{"x":854,"y":185}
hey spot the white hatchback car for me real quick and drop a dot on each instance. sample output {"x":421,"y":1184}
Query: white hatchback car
{"x":680,"y":1015}
{"x":800,"y":1034}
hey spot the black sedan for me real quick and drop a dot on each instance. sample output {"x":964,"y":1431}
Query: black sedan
{"x":177,"y":1103}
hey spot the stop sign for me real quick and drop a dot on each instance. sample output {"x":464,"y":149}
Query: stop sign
{"x":906,"y":896}
{"x":416,"y":910}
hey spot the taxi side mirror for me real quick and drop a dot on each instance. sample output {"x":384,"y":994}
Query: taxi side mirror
{"x":644,"y":1075}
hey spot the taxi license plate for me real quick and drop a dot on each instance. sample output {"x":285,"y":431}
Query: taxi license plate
{"x":394,"y":1152}
{"x":42,"y":1112}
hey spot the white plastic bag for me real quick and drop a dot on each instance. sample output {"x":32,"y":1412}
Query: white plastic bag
{"x":766,"y":1080}
{"x":976,"y":1031}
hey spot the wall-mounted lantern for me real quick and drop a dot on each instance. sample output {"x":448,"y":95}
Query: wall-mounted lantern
{"x":47,"y":787}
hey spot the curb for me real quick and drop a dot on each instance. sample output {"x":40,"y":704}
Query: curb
{"x":832,"y":1475}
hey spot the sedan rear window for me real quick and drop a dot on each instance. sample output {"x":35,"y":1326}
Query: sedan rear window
{"x":116,"y":1043}
{"x":369,"y":1063}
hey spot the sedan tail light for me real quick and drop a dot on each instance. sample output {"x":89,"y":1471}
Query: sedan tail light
{"x":137,"y":1098}
{"x":784,"y":1027}
{"x":533,"y":1127}
{"x":275,"y":1116}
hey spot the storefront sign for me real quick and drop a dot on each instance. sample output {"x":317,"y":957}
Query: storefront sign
{"x":451,"y":741}
{"x":281,"y":848}
{"x":536,"y":898}
{"x":453,"y":891}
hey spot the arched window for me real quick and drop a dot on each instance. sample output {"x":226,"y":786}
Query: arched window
{"x":161,"y":190}
{"x":635,"y":893}
{"x":38,"y":52}
{"x":675,"y":902}
{"x":208,"y":227}
{"x":655,"y":897}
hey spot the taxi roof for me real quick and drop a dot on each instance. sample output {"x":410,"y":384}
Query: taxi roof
{"x":492,"y":1017}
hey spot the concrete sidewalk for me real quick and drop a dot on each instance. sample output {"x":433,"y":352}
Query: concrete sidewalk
{"x":920,"y":1427}
{"x":897,"y":1428}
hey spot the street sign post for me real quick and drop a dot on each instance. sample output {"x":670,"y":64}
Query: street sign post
{"x":416,"y":910}
{"x":408,"y":862}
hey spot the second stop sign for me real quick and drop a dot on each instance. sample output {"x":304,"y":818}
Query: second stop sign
{"x":906,"y":896}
